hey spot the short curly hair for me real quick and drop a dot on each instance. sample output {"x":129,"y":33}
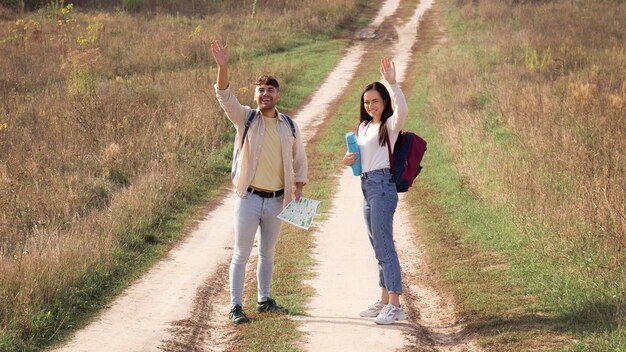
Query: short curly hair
{"x":268,"y":80}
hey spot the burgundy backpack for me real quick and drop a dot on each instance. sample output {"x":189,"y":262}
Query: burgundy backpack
{"x":405,"y":161}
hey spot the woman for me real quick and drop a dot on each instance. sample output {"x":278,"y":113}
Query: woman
{"x":380,"y":123}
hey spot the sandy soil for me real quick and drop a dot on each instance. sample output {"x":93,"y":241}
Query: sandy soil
{"x":346,"y":282}
{"x":181,"y":304}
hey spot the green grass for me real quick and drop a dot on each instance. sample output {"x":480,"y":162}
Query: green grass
{"x":492,"y":257}
{"x":456,"y":222}
{"x":307,"y":65}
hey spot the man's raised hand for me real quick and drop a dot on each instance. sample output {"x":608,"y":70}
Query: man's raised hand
{"x":220,"y":54}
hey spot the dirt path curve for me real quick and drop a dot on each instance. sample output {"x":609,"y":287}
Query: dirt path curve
{"x":181,"y":303}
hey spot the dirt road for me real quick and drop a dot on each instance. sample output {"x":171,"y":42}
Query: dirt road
{"x":181,"y":303}
{"x":346,"y":279}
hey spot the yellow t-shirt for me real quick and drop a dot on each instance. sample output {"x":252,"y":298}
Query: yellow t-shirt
{"x":269,"y":173}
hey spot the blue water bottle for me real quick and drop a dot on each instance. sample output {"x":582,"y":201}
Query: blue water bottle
{"x":354,"y":147}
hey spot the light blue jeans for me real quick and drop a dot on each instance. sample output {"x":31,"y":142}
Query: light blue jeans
{"x":380,"y":202}
{"x":252,"y":212}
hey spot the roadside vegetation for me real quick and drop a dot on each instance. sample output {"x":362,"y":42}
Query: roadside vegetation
{"x":522,"y":196}
{"x":110,"y":135}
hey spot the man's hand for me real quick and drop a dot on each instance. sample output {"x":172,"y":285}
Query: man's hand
{"x":220,"y":54}
{"x":298,"y":193}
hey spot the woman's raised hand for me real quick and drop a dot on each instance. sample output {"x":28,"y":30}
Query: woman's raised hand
{"x":220,"y":54}
{"x":388,"y":70}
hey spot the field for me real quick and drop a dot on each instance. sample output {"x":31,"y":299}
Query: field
{"x":528,"y":198}
{"x":110,"y":137}
{"x":110,"y":132}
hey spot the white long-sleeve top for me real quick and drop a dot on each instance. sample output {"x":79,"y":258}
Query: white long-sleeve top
{"x":373,"y":155}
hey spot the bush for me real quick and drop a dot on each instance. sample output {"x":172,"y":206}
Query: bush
{"x":12,"y":4}
{"x":132,"y":5}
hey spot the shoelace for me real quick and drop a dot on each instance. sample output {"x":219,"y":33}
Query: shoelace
{"x":238,"y":311}
{"x":388,"y":309}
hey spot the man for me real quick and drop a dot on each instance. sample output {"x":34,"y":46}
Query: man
{"x":267,"y":162}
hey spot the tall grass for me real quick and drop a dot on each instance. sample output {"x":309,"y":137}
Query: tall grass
{"x":536,"y":121}
{"x":108,"y":126}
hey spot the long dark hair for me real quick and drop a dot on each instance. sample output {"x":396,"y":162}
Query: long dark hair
{"x":387,"y":112}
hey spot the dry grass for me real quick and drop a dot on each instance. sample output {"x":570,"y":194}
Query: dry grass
{"x":546,"y":98}
{"x":104,"y":118}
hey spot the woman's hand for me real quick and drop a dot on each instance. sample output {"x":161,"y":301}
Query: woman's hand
{"x":388,"y":70}
{"x":220,"y":54}
{"x":349,"y":159}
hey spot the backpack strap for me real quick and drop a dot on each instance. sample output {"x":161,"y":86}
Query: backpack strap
{"x":291,"y":124}
{"x":389,"y":151}
{"x":251,"y":116}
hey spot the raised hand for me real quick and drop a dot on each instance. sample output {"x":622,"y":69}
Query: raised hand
{"x":388,"y":70}
{"x":220,"y":54}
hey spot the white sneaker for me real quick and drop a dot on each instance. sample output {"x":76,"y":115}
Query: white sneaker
{"x":373,"y":310}
{"x":389,"y":314}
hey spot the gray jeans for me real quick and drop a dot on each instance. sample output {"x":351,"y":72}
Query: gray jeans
{"x":252,"y":212}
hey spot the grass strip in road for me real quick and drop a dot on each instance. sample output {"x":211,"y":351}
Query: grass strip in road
{"x":293,"y":258}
